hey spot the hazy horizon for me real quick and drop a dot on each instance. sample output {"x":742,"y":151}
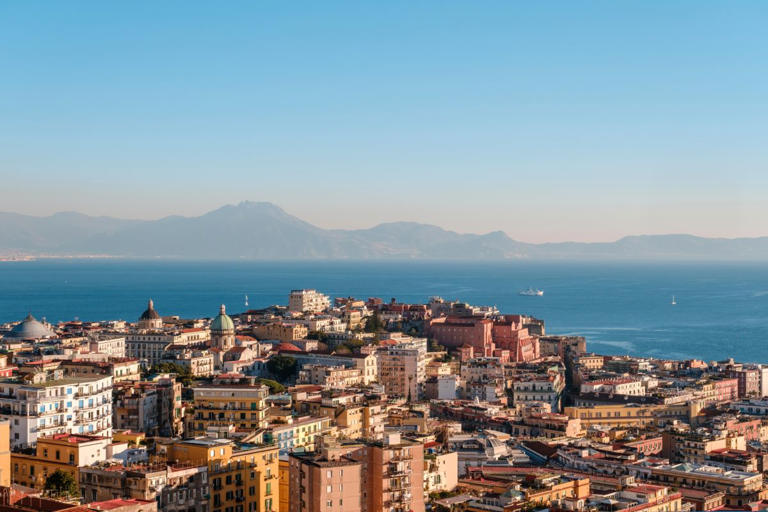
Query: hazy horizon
{"x":550,"y":122}
{"x":385,"y":222}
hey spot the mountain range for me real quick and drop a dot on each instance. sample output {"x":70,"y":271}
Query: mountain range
{"x":263,"y":231}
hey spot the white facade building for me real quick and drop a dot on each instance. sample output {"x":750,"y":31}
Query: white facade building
{"x":112,"y":346}
{"x":620,"y":386}
{"x":46,"y":406}
{"x":308,"y":301}
{"x":540,"y":388}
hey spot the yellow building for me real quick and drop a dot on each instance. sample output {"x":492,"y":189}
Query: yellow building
{"x":615,"y":415}
{"x":5,"y":454}
{"x":241,"y":477}
{"x":285,"y":485}
{"x":67,"y":452}
{"x":128,"y":436}
{"x":222,"y":405}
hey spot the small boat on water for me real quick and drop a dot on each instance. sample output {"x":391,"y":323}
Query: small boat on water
{"x":530,"y":292}
{"x":674,"y":302}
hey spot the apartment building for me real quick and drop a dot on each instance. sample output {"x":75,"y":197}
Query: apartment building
{"x":402,"y":368}
{"x":308,"y":301}
{"x":619,"y":386}
{"x":121,"y":369}
{"x":281,"y":331}
{"x":366,"y":363}
{"x":370,"y":476}
{"x":65,"y":452}
{"x":740,"y":487}
{"x":539,"y":388}
{"x":333,"y":377}
{"x":43,"y":404}
{"x":110,"y":345}
{"x":223,"y":404}
{"x":151,"y":407}
{"x":297,"y":434}
{"x":174,"y":488}
{"x":241,"y":477}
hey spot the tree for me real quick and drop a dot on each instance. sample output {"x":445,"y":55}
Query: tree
{"x":374,"y":323}
{"x":182,"y":372}
{"x":317,"y":335}
{"x":60,"y":482}
{"x":282,"y":366}
{"x":274,"y":386}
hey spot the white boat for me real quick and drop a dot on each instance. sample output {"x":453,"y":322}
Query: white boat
{"x":246,"y":301}
{"x":530,"y":292}
{"x":673,"y":300}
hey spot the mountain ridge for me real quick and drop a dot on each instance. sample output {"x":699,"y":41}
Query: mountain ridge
{"x":262,"y":230}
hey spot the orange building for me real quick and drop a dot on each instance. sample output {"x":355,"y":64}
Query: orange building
{"x":66,"y":452}
{"x":239,"y":475}
{"x":370,"y":476}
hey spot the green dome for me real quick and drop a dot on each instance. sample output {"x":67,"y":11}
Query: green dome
{"x":222,"y":322}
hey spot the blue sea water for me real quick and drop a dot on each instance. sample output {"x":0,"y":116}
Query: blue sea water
{"x":621,"y":308}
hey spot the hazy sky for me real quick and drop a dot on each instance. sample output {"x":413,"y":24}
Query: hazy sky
{"x":549,"y":120}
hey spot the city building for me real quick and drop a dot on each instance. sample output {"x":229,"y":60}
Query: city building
{"x":110,"y":345}
{"x":401,"y":368}
{"x":308,"y":301}
{"x":240,"y":476}
{"x":44,"y":404}
{"x":547,"y":388}
{"x":369,"y":476}
{"x":239,"y":403}
{"x":65,"y":452}
{"x":152,"y":407}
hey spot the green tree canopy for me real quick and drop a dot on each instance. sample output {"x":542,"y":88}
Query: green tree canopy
{"x":60,"y":482}
{"x":317,"y":335}
{"x":282,"y":367}
{"x":274,"y":386}
{"x":374,"y":323}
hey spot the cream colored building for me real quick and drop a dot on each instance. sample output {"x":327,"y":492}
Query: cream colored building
{"x":112,"y":346}
{"x":334,"y":377}
{"x":402,"y":368}
{"x":308,"y":301}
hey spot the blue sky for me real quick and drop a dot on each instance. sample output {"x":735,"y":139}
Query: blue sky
{"x":548,"y":120}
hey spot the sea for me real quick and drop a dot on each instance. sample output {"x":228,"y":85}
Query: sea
{"x":721,"y":310}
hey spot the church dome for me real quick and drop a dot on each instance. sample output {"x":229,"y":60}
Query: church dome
{"x":30,"y":328}
{"x":150,"y":313}
{"x":222,"y":322}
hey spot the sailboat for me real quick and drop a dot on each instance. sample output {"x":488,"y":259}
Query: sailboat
{"x":246,"y":301}
{"x":673,"y":300}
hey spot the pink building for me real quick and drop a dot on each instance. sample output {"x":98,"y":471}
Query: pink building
{"x":504,"y":337}
{"x":726,"y":390}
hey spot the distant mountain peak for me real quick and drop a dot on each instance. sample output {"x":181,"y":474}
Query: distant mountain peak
{"x":263,"y":230}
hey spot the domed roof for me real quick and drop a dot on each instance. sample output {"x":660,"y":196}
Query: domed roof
{"x":222,"y":322}
{"x":28,"y":329}
{"x":150,"y":313}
